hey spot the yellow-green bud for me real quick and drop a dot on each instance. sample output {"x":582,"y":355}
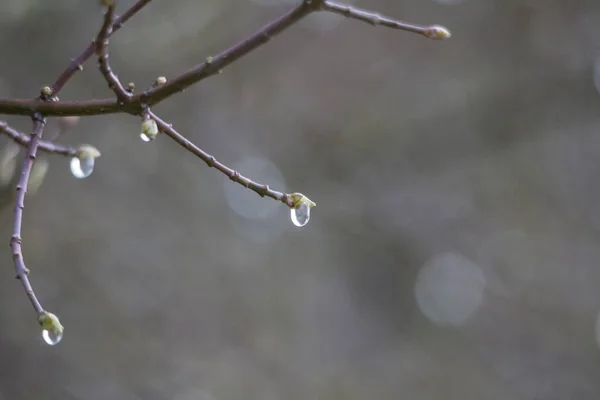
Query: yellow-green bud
{"x":298,"y":199}
{"x":437,"y":32}
{"x":46,"y":91}
{"x":149,"y":129}
{"x":87,"y":151}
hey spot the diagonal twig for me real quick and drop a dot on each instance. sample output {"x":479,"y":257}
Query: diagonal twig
{"x":15,"y":240}
{"x":435,"y":32}
{"x":261,"y":190}
{"x":24,"y":140}
{"x":214,"y":65}
{"x":77,"y":63}
{"x":101,"y":43}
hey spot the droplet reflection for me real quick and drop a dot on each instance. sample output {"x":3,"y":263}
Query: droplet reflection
{"x":82,"y":168}
{"x":300,"y":215}
{"x":52,"y":337}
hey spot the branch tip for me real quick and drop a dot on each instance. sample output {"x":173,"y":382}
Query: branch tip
{"x":438,"y":32}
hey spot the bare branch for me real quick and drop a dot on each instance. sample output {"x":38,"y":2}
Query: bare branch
{"x":24,"y":140}
{"x":77,"y":63}
{"x":102,"y":50}
{"x":431,"y":32}
{"x":213,"y":65}
{"x":67,"y":108}
{"x":261,"y":190}
{"x":48,"y":104}
{"x":15,"y":240}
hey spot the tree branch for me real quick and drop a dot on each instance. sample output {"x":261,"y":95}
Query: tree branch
{"x":67,"y":108}
{"x":435,"y":32}
{"x":102,"y":50}
{"x":47,"y":147}
{"x":77,"y":63}
{"x":214,"y":65}
{"x":49,"y":105}
{"x":15,"y":240}
{"x":261,"y":190}
{"x":211,"y":66}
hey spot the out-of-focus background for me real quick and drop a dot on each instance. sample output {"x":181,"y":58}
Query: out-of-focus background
{"x":454,"y":252}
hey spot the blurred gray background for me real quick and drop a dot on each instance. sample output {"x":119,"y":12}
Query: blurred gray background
{"x":453,"y":253}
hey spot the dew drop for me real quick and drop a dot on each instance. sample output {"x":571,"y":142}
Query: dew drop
{"x":52,"y":337}
{"x":145,"y":138}
{"x":300,"y":215}
{"x":82,"y":168}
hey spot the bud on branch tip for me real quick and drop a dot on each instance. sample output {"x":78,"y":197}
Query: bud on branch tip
{"x":438,"y":32}
{"x":52,"y":330}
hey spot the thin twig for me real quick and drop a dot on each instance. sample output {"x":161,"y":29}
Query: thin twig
{"x":24,"y":140}
{"x":102,"y":50}
{"x":77,"y":63}
{"x":436,"y":32}
{"x":212,"y":65}
{"x":15,"y":240}
{"x":261,"y":190}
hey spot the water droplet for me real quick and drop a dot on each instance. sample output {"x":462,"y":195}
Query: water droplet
{"x":82,"y":168}
{"x":300,"y":215}
{"x":52,"y":337}
{"x":145,"y":138}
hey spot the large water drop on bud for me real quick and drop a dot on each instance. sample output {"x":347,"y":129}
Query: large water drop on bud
{"x":51,"y":337}
{"x":82,"y":168}
{"x":300,"y":215}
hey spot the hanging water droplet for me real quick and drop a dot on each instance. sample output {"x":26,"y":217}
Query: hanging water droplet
{"x":52,"y":330}
{"x":82,"y":168}
{"x":300,"y":215}
{"x":300,"y":210}
{"x":145,"y":138}
{"x":52,"y":337}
